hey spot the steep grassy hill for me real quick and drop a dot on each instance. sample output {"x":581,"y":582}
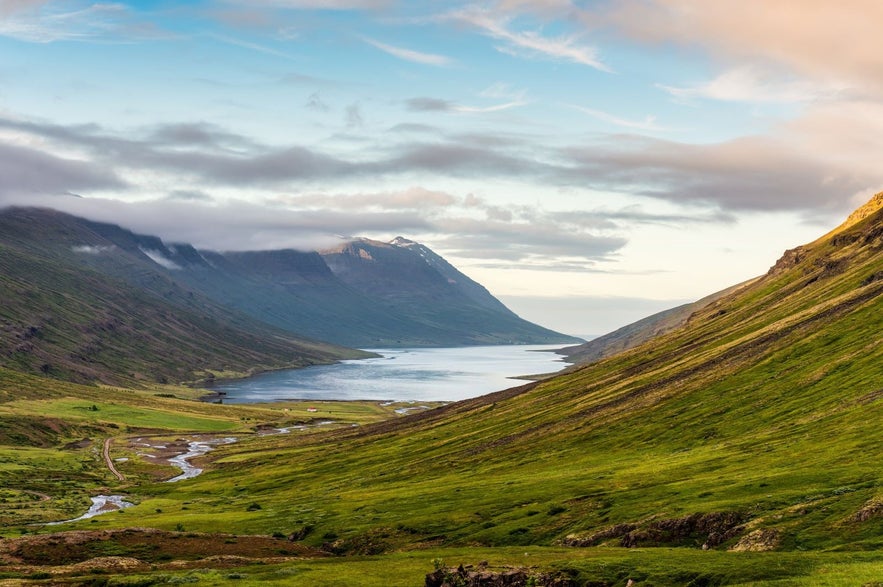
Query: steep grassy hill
{"x":631,"y":335}
{"x":762,"y":413}
{"x":67,"y":314}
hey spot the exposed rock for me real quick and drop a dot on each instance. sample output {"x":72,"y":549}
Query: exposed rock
{"x":300,"y":533}
{"x":111,"y":564}
{"x":790,"y":258}
{"x":617,"y":531}
{"x":762,"y":540}
{"x":872,"y":509}
{"x":483,"y":577}
{"x":705,"y":530}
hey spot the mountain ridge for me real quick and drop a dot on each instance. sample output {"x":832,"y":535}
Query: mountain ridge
{"x":68,"y":313}
{"x":265,"y":297}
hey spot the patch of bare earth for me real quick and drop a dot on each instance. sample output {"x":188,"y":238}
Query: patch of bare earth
{"x":135,"y":549}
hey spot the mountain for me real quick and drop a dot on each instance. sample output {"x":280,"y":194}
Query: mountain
{"x":403,"y":295}
{"x":90,"y":302}
{"x":636,"y":333}
{"x":438,"y":304}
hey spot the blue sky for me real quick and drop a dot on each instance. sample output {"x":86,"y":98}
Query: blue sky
{"x":608,"y":155}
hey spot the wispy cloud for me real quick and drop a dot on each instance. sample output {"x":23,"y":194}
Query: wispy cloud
{"x":411,"y":55}
{"x":750,"y":84}
{"x":353,"y":116}
{"x":315,"y":102}
{"x":250,"y":46}
{"x":43,"y":22}
{"x":316,"y":4}
{"x":439,"y":105}
{"x":526,"y":42}
{"x":8,"y":7}
{"x":648,"y":124}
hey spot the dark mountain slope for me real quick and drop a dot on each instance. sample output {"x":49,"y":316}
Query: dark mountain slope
{"x":296,"y":291}
{"x":754,"y":426}
{"x":79,"y":306}
{"x":412,"y":282}
{"x":411,"y":298}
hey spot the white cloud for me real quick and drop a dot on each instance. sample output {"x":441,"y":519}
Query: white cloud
{"x":439,"y":105}
{"x":159,"y":259}
{"x":411,"y":55}
{"x":648,"y":124}
{"x":526,"y":42}
{"x":751,"y":84}
{"x":250,"y":46}
{"x":73,"y":22}
{"x":90,"y":249}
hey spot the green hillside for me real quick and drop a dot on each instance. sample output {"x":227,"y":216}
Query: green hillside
{"x":741,"y":448}
{"x":631,"y":335}
{"x":65,"y":318}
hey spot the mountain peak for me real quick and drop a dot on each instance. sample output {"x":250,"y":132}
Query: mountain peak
{"x":401,"y":241}
{"x":871,"y":207}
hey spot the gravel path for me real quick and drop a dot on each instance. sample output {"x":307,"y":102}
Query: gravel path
{"x":109,"y":462}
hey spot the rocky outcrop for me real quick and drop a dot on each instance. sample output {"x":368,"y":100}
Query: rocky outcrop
{"x":872,"y":509}
{"x":762,"y":540}
{"x":789,"y":259}
{"x":482,"y":576}
{"x":701,"y":530}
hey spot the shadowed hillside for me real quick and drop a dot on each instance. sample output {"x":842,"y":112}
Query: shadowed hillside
{"x":405,"y":295}
{"x":68,"y":313}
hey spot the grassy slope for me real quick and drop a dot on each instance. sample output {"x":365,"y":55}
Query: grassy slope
{"x":51,"y":434}
{"x":766,"y":405}
{"x":632,"y":335}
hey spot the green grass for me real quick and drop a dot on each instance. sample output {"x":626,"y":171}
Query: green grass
{"x":104,"y":412}
{"x":658,"y":567}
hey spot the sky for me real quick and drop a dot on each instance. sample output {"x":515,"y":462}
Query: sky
{"x":588,"y":162}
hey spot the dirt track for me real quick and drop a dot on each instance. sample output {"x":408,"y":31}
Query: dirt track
{"x":109,"y":462}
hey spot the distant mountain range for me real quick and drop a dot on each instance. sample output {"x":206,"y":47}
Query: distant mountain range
{"x":91,"y":301}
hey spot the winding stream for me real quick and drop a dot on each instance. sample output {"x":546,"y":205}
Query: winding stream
{"x":196,"y":448}
{"x":101,"y":504}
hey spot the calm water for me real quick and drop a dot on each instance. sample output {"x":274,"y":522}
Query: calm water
{"x":447,"y":374}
